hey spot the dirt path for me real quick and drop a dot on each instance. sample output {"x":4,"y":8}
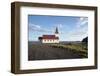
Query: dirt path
{"x":45,"y":52}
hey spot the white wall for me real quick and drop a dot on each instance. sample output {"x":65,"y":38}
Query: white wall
{"x":5,"y":33}
{"x":51,"y":41}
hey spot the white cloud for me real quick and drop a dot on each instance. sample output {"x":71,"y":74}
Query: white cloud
{"x":38,"y":28}
{"x":34,"y":27}
{"x":77,"y":34}
{"x":82,"y":26}
{"x":59,"y":25}
{"x":81,"y":29}
{"x":82,"y":21}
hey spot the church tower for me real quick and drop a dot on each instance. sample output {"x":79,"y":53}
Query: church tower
{"x":56,"y":32}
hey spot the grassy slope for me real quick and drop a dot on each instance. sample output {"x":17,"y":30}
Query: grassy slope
{"x":76,"y":47}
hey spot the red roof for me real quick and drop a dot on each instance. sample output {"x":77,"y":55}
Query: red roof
{"x":48,"y":37}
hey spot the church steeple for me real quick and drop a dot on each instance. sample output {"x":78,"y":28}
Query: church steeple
{"x":56,"y":32}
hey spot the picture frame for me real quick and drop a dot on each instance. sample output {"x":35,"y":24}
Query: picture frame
{"x":19,"y":12}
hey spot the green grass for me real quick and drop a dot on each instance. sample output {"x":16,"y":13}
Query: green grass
{"x":75,"y":47}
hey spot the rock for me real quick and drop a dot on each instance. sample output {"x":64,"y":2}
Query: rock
{"x":85,"y":40}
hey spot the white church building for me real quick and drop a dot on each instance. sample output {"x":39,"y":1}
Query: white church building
{"x":50,"y":38}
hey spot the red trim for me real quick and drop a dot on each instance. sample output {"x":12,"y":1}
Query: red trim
{"x":49,"y":37}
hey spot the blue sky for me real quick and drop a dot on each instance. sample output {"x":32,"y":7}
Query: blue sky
{"x":70,"y":28}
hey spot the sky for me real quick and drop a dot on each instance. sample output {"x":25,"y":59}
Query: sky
{"x":71,"y":28}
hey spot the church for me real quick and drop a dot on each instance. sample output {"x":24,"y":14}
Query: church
{"x":50,"y":38}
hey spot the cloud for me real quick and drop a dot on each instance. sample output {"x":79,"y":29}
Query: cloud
{"x":81,"y":22}
{"x":34,"y":27}
{"x":38,"y":28}
{"x":81,"y":29}
{"x":59,"y":25}
{"x":77,"y":33}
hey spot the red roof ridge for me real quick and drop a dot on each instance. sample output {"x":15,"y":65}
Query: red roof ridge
{"x":48,"y":37}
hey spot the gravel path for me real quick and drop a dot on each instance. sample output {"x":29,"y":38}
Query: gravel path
{"x":45,"y":52}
